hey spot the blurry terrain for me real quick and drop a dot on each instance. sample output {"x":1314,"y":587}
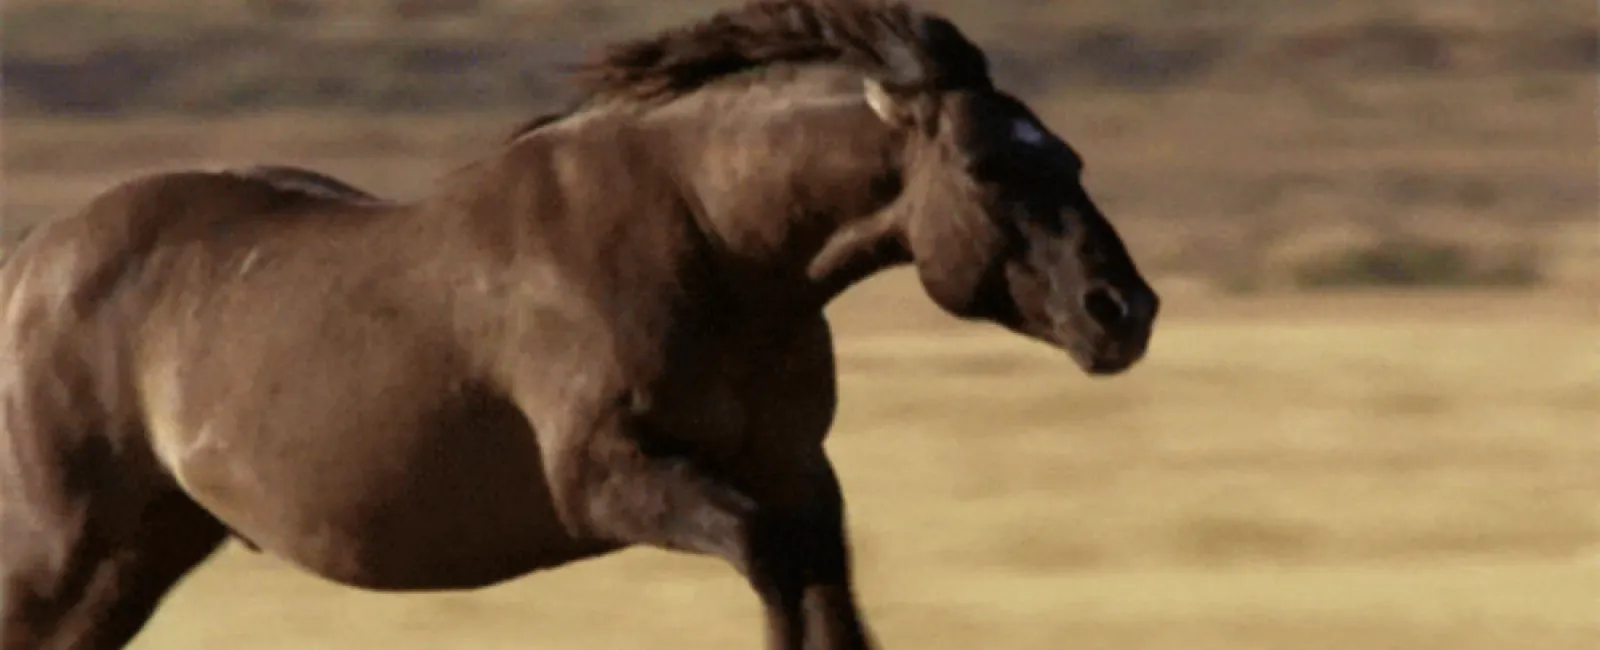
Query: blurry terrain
{"x":1247,"y":144}
{"x":1370,"y":418}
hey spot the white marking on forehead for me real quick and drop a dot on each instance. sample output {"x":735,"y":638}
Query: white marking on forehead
{"x":1028,"y":133}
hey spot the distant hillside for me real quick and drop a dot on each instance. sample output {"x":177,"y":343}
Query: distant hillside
{"x":111,"y":57}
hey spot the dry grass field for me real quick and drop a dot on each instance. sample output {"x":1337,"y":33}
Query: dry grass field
{"x":1283,"y":474}
{"x":1368,"y":469}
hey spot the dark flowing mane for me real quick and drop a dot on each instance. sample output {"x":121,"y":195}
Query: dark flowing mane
{"x":903,"y":47}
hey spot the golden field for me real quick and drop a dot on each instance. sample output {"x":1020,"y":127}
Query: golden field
{"x":1396,"y":471}
{"x":1372,"y":469}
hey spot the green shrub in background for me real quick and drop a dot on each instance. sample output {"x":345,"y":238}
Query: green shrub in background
{"x":1411,"y":261}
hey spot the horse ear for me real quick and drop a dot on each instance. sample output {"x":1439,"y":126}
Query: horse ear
{"x":892,"y":109}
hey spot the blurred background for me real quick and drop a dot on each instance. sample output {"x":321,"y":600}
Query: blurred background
{"x":1368,"y":420}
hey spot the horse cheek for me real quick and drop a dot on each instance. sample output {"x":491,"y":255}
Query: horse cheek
{"x":958,"y":263}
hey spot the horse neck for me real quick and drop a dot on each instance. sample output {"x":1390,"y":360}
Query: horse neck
{"x":799,"y":192}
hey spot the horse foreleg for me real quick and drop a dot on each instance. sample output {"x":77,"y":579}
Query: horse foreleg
{"x":792,"y":550}
{"x":812,"y":595}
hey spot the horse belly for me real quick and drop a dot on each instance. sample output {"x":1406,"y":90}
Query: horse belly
{"x":457,"y":505}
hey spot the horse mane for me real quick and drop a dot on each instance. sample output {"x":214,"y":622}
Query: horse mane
{"x":902,"y":47}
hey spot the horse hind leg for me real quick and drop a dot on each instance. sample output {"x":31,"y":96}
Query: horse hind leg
{"x":82,"y":586}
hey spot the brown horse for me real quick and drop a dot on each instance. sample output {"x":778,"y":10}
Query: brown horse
{"x":609,"y":333}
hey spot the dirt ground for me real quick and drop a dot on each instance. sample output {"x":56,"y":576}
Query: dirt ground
{"x":1306,"y":474}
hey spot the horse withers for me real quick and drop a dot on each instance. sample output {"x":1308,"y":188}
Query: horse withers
{"x":607,"y":333}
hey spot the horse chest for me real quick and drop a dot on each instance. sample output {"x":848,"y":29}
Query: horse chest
{"x":708,"y":408}
{"x":731,"y":407}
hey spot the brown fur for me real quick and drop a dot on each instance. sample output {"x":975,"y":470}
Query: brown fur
{"x":608,"y":333}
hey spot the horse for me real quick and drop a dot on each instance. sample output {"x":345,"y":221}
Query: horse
{"x":607,"y":333}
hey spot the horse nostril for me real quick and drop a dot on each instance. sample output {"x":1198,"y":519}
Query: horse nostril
{"x":1105,"y":305}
